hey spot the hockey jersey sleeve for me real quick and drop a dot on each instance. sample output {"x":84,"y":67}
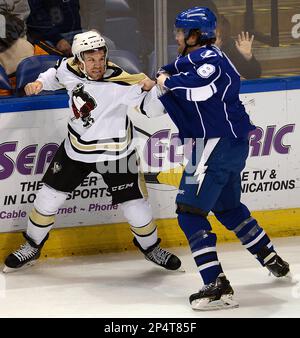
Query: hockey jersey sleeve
{"x":61,"y":76}
{"x":49,"y":80}
{"x":130,"y":95}
{"x":146,"y":102}
{"x":170,"y":69}
{"x":151,"y":105}
{"x":196,"y":84}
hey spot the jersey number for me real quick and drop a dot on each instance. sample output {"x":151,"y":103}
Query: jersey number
{"x":206,"y":70}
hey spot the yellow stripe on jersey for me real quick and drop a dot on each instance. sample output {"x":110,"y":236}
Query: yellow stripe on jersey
{"x":130,"y":79}
{"x":112,"y":146}
{"x":142,"y":185}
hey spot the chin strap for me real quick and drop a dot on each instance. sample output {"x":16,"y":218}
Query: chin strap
{"x":187,"y":47}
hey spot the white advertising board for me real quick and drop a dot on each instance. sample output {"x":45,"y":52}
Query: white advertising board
{"x":28,"y":141}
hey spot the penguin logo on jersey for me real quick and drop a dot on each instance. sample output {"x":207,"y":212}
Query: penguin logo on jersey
{"x":57,"y":167}
{"x":83,"y":104}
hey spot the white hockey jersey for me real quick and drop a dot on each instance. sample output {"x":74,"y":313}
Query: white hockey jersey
{"x":99,"y":128}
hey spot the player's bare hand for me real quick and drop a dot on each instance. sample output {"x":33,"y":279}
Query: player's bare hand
{"x":147,"y":84}
{"x":244,"y":44}
{"x":33,"y":88}
{"x":64,"y":47}
{"x":219,"y":39}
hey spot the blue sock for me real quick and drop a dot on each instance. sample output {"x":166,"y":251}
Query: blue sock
{"x":203,"y":245}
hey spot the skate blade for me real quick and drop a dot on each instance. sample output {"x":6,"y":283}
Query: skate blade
{"x":7,"y":269}
{"x":181,"y":269}
{"x":289,"y":278}
{"x":204,"y":304}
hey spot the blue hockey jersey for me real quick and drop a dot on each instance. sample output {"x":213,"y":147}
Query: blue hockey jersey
{"x":203,"y":97}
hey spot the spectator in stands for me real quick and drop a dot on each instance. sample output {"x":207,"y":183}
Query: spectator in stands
{"x":13,"y":42}
{"x":19,"y":8}
{"x":54,"y":21}
{"x":239,"y":52}
{"x":14,"y":46}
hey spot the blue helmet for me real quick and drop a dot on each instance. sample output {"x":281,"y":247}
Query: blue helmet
{"x":201,"y":18}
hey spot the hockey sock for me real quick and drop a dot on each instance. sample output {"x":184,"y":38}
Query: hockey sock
{"x":246,"y":228}
{"x":139,"y":215}
{"x":145,"y":235}
{"x":203,"y":245}
{"x":39,"y":225}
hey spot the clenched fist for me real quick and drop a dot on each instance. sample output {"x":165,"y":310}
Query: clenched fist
{"x":147,"y":84}
{"x":33,"y":88}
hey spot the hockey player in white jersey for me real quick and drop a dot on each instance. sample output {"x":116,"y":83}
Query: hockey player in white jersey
{"x":100,"y":139}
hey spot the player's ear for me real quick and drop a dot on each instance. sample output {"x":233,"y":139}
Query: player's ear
{"x":81,"y":66}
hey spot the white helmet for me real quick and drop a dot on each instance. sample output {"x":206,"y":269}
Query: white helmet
{"x":87,"y":41}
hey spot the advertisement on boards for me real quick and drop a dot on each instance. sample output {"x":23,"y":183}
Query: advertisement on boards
{"x":29,"y":140}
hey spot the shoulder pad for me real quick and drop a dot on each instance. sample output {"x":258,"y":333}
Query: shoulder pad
{"x":73,"y":68}
{"x":59,"y":62}
{"x":208,"y":53}
{"x":204,"y":55}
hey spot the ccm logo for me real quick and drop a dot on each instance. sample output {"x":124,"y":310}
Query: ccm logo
{"x":122,"y":187}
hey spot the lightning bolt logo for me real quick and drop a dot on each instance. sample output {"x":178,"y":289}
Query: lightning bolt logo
{"x":202,"y":167}
{"x":199,"y":174}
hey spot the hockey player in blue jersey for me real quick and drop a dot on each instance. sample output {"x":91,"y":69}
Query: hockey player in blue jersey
{"x":201,"y":95}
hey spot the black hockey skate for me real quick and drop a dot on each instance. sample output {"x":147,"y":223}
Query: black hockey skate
{"x":278,"y":267}
{"x":159,"y":256}
{"x":27,"y":254}
{"x":214,"y":296}
{"x":275,"y":264}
